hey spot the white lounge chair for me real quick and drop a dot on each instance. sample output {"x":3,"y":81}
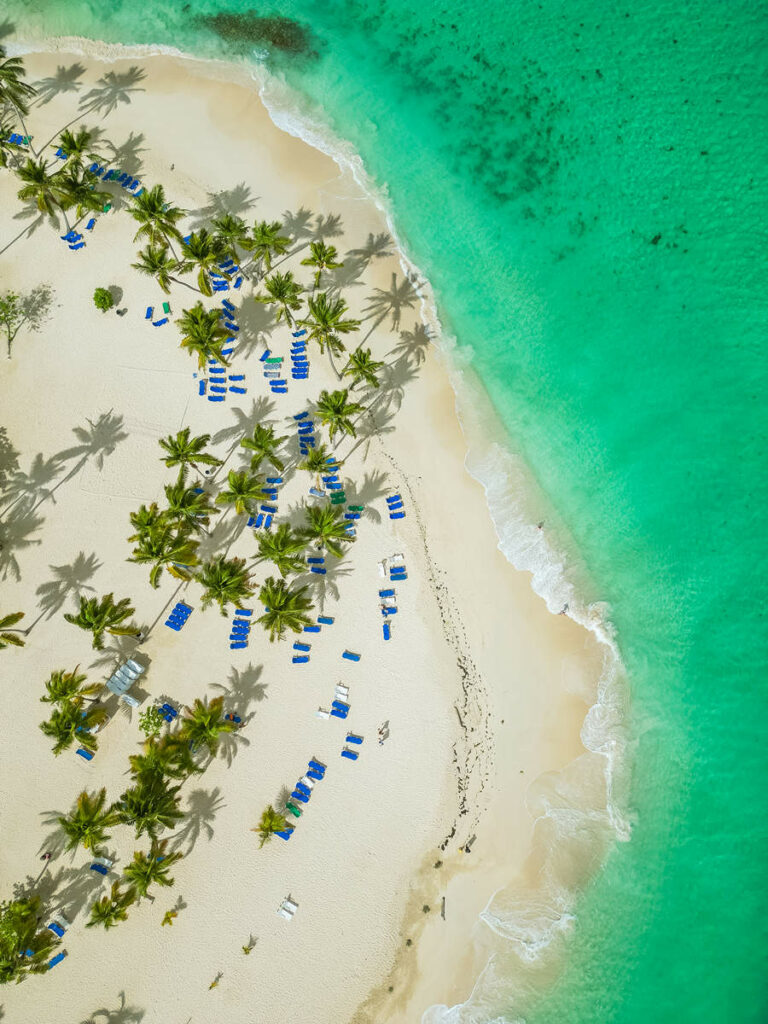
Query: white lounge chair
{"x":397,"y":559}
{"x":135,"y":666}
{"x":309,"y":783}
{"x":322,"y":713}
{"x":283,"y":912}
{"x":126,"y":698}
{"x":103,"y":860}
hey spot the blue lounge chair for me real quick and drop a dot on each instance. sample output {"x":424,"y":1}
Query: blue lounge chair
{"x":300,"y":659}
{"x":159,"y":323}
{"x":227,"y":352}
{"x":326,"y":620}
{"x":259,"y":521}
{"x":237,"y":376}
{"x":267,"y":521}
{"x":352,"y":515}
{"x":353,"y":738}
{"x":317,"y":776}
{"x":285,"y":834}
{"x":396,"y":571}
{"x":298,"y":334}
{"x":238,"y":391}
{"x":265,"y":356}
{"x":201,"y":387}
{"x":389,"y":611}
{"x":338,"y":714}
{"x":85,"y":754}
{"x":56,"y":929}
{"x":334,"y":487}
{"x":218,"y":390}
{"x":317,"y":766}
{"x":302,"y":788}
{"x":302,"y":647}
{"x":316,"y":561}
{"x":396,"y":506}
{"x":397,"y":515}
{"x":91,"y":224}
{"x":387,"y":631}
{"x":394,"y":497}
{"x":238,"y":282}
{"x":244,"y":611}
{"x":311,"y":629}
{"x":300,"y":797}
{"x":216,"y":398}
{"x":269,"y":508}
{"x":350,"y":656}
{"x":78,"y":245}
{"x":351,"y":754}
{"x":99,"y":869}
{"x":301,"y":415}
{"x":56,"y":959}
{"x":239,"y":646}
{"x":340,"y":705}
{"x":386,"y":593}
{"x":318,"y":571}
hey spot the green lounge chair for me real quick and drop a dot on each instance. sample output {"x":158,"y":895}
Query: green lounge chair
{"x":293,"y":809}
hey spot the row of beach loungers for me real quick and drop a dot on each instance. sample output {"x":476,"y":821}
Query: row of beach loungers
{"x":178,"y":617}
{"x":303,"y":649}
{"x":273,"y":370}
{"x":302,"y":792}
{"x":121,"y":178}
{"x":267,"y":510}
{"x":221,"y":281}
{"x":395,"y":507}
{"x":163,"y":319}
{"x":299,"y":360}
{"x":240,"y":630}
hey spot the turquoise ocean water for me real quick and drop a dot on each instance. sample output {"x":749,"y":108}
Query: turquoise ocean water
{"x":584,"y":185}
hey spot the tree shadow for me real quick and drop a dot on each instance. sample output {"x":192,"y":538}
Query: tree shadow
{"x":327,"y":226}
{"x":298,"y":224}
{"x":391,"y":302}
{"x":9,"y":458}
{"x":127,"y":156}
{"x":121,"y":1014}
{"x":230,"y":743}
{"x":222,"y":536}
{"x":413,"y":344}
{"x":389,"y":397}
{"x":97,"y":441}
{"x":62,"y":890}
{"x":16,"y":530}
{"x":117,"y":650}
{"x":245,"y":420}
{"x":347,"y":276}
{"x":7,"y":28}
{"x":67,"y":579}
{"x":377,"y":247}
{"x":324,"y":587}
{"x":235,"y":201}
{"x":111,"y":90}
{"x":202,"y":808}
{"x":257,"y":321}
{"x":33,"y":485}
{"x":243,"y":689}
{"x":372,"y":488}
{"x":65,"y":80}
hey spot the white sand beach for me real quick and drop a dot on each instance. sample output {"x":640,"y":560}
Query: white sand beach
{"x":483,"y":689}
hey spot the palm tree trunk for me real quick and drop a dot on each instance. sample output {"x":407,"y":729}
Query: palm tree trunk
{"x":28,"y":229}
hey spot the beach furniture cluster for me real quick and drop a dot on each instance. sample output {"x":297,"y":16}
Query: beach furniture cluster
{"x":317,"y":565}
{"x":388,"y":605}
{"x":395,"y":507}
{"x":125,"y":676}
{"x":231,"y":270}
{"x":340,"y":704}
{"x":121,"y":178}
{"x":263,"y":518}
{"x":73,"y":239}
{"x":163,"y":319}
{"x":302,"y":793}
{"x":393,"y":567}
{"x":178,"y":616}
{"x":273,"y":372}
{"x":101,"y":865}
{"x":301,"y":657}
{"x":168,"y":711}
{"x":58,"y":925}
{"x":299,"y":360}
{"x":218,"y":382}
{"x":14,"y":139}
{"x":288,"y":908}
{"x":240,"y":629}
{"x":56,"y":959}
{"x":349,"y":752}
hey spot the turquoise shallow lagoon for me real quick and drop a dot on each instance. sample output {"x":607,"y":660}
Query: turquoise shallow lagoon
{"x":584,"y":185}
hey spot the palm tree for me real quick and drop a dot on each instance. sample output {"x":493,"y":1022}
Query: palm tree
{"x":157,"y":219}
{"x":205,"y":251}
{"x":71,"y":722}
{"x":86,"y":825}
{"x":335,"y":411}
{"x":326,"y":322}
{"x":8,"y":639}
{"x":225,"y":581}
{"x":266,"y":242}
{"x":188,"y":506}
{"x":362,"y":367}
{"x":151,"y":868}
{"x":77,"y":146}
{"x":103,"y":615}
{"x":155,"y":261}
{"x":283,"y":292}
{"x":15,"y":93}
{"x":6,"y":147}
{"x":145,"y":519}
{"x":326,"y":526}
{"x":263,"y":444}
{"x":110,"y":910}
{"x":39,"y":187}
{"x":286,"y":608}
{"x":232,"y":231}
{"x":77,"y":189}
{"x":168,"y":757}
{"x":165,"y":546}
{"x":66,"y":686}
{"x":149,"y":807}
{"x":184,"y":450}
{"x":203,"y":723}
{"x":244,"y":489}
{"x":316,"y":460}
{"x":271,"y":822}
{"x":25,"y":948}
{"x":323,"y":257}
{"x":282,"y":548}
{"x":202,"y":332}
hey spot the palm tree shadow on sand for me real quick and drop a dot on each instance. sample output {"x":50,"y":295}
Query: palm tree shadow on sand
{"x":202,"y":808}
{"x":64,"y":80}
{"x":235,"y":201}
{"x":121,"y":1014}
{"x":16,"y":534}
{"x":111,"y":90}
{"x":242,"y":689}
{"x":257,"y":323}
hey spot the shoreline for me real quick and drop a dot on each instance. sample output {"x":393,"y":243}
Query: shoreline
{"x":452,"y":371}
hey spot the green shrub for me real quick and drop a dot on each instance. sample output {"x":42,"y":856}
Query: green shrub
{"x":102,"y":299}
